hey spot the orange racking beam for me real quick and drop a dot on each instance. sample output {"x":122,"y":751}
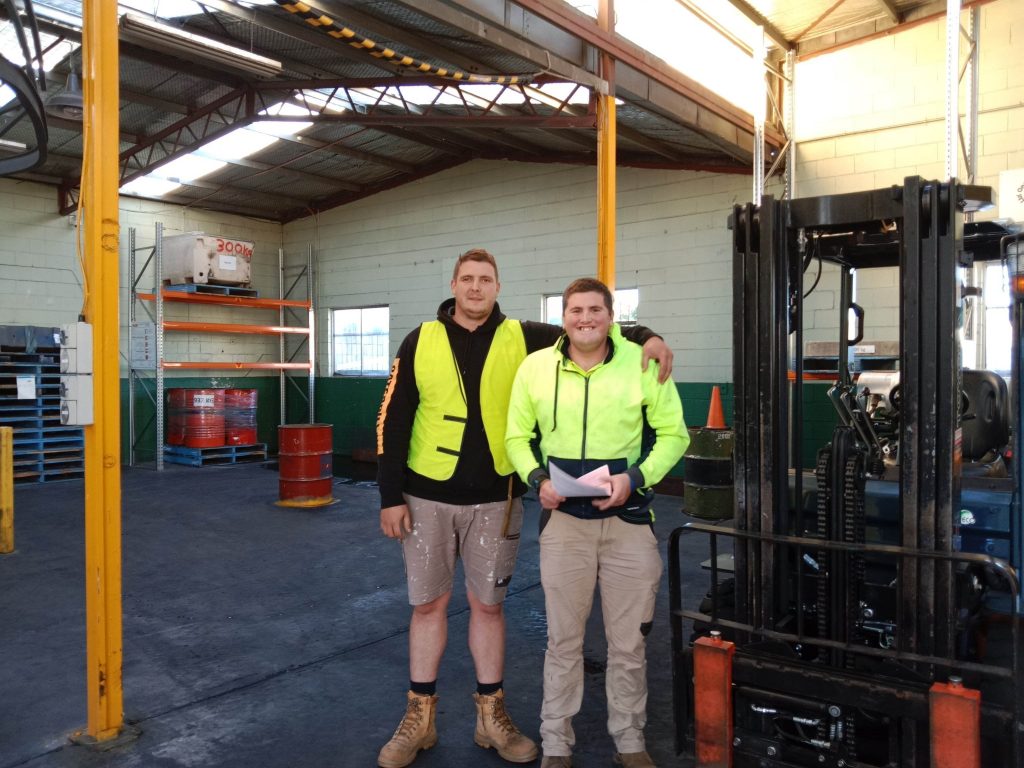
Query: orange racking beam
{"x":186,"y":325}
{"x":238,"y":366}
{"x":227,"y":301}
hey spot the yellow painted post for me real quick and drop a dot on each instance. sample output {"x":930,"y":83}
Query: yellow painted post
{"x":100,"y":176}
{"x":6,"y":490}
{"x":606,"y":158}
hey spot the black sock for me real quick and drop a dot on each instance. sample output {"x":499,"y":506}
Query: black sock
{"x":423,"y":689}
{"x":488,"y":689}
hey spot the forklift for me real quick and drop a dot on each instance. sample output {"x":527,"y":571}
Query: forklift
{"x":861,"y":608}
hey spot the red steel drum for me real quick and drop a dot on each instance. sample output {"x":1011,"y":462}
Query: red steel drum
{"x":240,"y":416}
{"x":306,"y":464}
{"x":204,"y":417}
{"x":175,"y":416}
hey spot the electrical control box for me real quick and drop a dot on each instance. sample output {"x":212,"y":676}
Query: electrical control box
{"x":76,"y":383}
{"x":76,"y":399}
{"x":76,"y":348}
{"x":199,"y":258}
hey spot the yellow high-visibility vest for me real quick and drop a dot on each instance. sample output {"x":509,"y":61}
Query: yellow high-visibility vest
{"x":440,"y":420}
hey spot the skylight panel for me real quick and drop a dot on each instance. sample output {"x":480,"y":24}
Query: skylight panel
{"x":163,"y":9}
{"x":687,"y":43}
{"x":676,"y":35}
{"x":211,"y":157}
{"x":191,"y":167}
{"x":149,"y":186}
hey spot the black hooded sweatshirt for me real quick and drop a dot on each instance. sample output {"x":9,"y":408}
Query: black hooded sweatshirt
{"x":475,"y":481}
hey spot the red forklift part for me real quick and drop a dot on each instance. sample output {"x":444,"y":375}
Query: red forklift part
{"x":955,"y":725}
{"x":712,"y":700}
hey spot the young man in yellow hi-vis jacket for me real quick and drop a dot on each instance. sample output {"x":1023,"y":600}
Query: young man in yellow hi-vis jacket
{"x":591,"y":403}
{"x":448,"y":492}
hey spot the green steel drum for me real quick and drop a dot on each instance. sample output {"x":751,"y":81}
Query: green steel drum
{"x":708,"y":478}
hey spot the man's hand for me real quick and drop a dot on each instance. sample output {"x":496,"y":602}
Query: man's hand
{"x":394,"y":519}
{"x":620,"y":492}
{"x":657,"y":349}
{"x":549,"y":498}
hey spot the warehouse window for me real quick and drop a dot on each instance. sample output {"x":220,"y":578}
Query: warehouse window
{"x":360,"y":341}
{"x":997,"y":331}
{"x":627,"y":301}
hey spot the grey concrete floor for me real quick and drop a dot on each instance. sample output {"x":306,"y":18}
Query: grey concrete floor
{"x":263,"y":637}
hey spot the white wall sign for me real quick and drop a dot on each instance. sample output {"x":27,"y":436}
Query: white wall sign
{"x":1011,"y":195}
{"x":26,"y":387}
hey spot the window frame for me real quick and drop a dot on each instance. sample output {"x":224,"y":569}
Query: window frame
{"x":615,"y":305}
{"x":334,"y":335}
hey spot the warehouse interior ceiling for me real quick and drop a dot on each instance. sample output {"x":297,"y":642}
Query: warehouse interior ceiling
{"x":277,"y":110}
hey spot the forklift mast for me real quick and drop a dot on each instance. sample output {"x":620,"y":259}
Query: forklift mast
{"x":849,"y":637}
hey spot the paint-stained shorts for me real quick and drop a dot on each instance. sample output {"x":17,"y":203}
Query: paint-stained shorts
{"x":441,"y":533}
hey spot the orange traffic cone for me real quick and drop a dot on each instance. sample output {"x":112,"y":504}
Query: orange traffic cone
{"x":715,"y":418}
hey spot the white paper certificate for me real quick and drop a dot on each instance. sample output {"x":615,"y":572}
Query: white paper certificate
{"x":595,"y":483}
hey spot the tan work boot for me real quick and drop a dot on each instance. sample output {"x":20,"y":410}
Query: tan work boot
{"x":634,"y":760}
{"x":494,"y":728}
{"x":415,"y":732}
{"x":556,"y":761}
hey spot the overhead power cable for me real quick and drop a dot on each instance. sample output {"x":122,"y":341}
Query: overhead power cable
{"x":335,"y":29}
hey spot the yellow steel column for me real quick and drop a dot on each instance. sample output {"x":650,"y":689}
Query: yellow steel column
{"x":606,"y":158}
{"x":6,"y":490}
{"x":102,"y":438}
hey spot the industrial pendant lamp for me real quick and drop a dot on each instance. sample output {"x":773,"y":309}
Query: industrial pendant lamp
{"x":67,"y":103}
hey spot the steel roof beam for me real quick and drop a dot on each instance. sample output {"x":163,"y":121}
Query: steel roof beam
{"x":891,"y":10}
{"x":439,"y":141}
{"x":773,"y":32}
{"x":640,"y":77}
{"x":297,"y":30}
{"x":256,"y":165}
{"x":336,"y":148}
{"x":214,"y":187}
{"x":482,"y":122}
{"x":875,"y":28}
{"x":345,"y":14}
{"x":459,"y":15}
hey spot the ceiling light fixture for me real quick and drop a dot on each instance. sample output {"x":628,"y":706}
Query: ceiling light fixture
{"x":165,"y":38}
{"x":68,"y":103}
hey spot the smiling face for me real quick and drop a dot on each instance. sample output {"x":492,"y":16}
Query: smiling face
{"x":475,"y":289}
{"x":586,"y":320}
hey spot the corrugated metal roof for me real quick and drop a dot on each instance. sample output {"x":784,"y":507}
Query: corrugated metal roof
{"x":173,"y":104}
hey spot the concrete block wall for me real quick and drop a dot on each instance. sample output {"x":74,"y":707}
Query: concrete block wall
{"x":869,"y":115}
{"x":873,"y":113}
{"x":41,"y":278}
{"x":399,"y":248}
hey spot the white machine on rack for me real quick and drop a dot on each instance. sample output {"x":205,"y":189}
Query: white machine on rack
{"x":199,"y":258}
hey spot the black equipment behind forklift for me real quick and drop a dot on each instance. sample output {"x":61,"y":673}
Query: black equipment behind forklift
{"x":855,"y":632}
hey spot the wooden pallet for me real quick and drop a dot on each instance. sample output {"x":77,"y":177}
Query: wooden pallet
{"x":214,"y":290}
{"x":223,"y":454}
{"x":44,"y":449}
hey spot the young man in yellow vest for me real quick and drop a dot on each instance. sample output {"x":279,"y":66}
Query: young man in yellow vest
{"x":448,"y":490}
{"x":592,"y":408}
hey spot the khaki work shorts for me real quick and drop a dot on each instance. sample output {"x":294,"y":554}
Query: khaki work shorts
{"x":442,"y":533}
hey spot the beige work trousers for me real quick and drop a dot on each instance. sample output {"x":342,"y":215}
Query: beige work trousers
{"x":623,"y":560}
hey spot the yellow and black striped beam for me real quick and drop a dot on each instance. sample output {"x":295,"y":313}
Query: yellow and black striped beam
{"x":338,"y":31}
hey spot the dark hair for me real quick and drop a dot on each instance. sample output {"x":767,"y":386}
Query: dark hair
{"x":587,"y":285}
{"x":474,"y":254}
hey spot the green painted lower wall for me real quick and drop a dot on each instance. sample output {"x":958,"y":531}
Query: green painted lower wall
{"x":351,"y":406}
